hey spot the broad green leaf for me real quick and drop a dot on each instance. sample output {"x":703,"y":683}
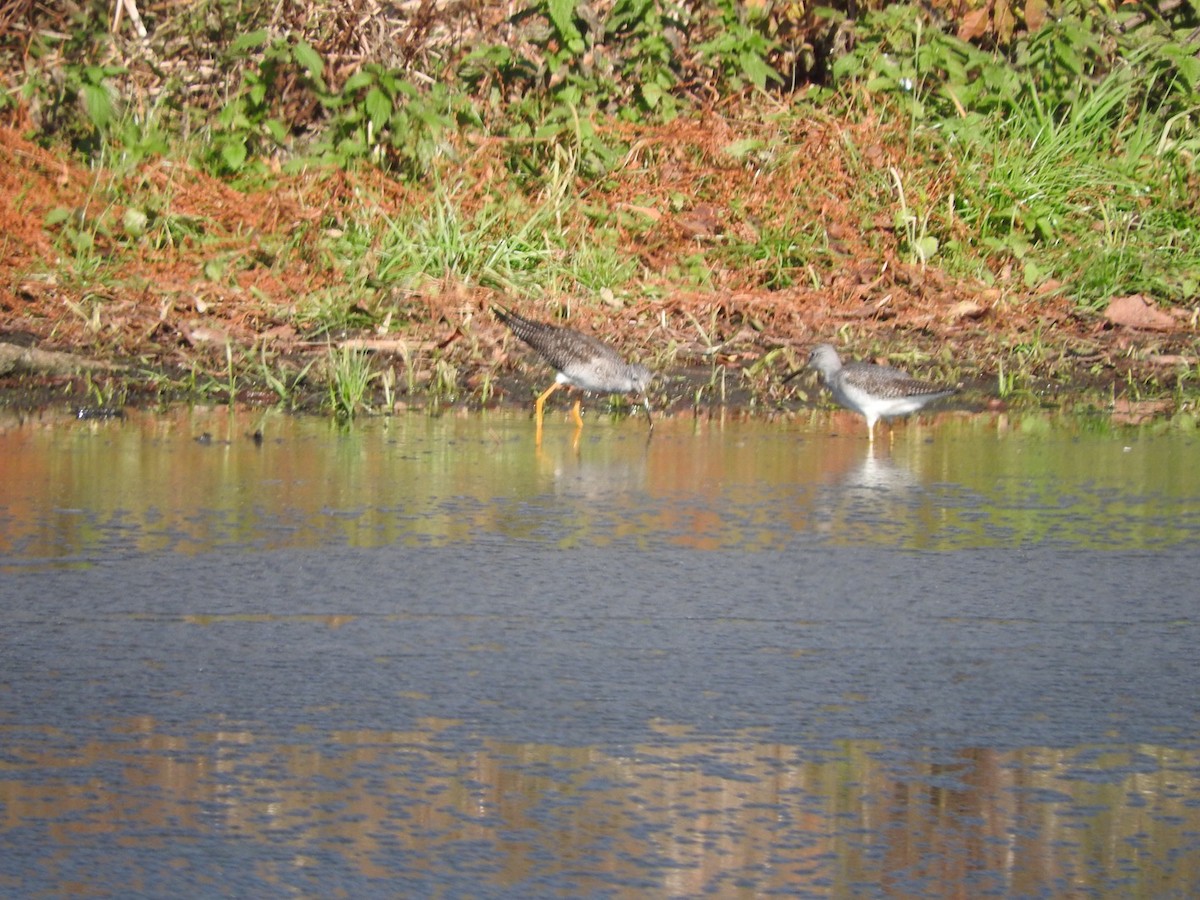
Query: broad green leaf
{"x":1189,"y":68}
{"x":562,"y":15}
{"x":925,"y":248}
{"x":276,"y":130}
{"x":379,"y":107}
{"x":357,"y":81}
{"x":249,"y":41}
{"x":756,"y":69}
{"x":570,"y":95}
{"x":234,"y":154}
{"x":309,"y":58}
{"x":743,"y":148}
{"x":846,"y":67}
{"x":98,"y":105}
{"x":134,"y":221}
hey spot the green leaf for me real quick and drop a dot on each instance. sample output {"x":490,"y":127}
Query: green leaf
{"x":233,"y":154}
{"x":358,"y":81}
{"x":379,"y":107}
{"x":98,"y":105}
{"x":846,"y":67}
{"x":82,"y":241}
{"x":309,"y":58}
{"x":562,"y":15}
{"x":570,"y":96}
{"x":1033,"y":274}
{"x":1189,"y":68}
{"x":276,"y":130}
{"x":135,"y":221}
{"x":251,"y":41}
{"x":925,"y":248}
{"x":743,"y":148}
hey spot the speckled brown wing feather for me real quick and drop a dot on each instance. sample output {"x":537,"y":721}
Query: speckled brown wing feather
{"x":887,"y":382}
{"x":563,"y":348}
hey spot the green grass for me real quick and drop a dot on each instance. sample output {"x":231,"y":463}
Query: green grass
{"x":350,"y":374}
{"x":442,"y":242}
{"x":1071,"y":160}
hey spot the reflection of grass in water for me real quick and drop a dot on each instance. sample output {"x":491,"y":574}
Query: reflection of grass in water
{"x":845,"y":813}
{"x":946,"y":482}
{"x":1000,"y":481}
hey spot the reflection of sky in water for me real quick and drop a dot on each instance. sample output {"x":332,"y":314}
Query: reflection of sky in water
{"x":423,"y":656}
{"x":147,"y":484}
{"x":992,"y":647}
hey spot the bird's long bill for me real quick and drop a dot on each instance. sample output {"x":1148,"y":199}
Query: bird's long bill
{"x":789,"y":377}
{"x":646,"y":403}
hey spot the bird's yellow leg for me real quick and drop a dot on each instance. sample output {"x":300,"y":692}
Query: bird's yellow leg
{"x":540,"y":405}
{"x":576,"y":415}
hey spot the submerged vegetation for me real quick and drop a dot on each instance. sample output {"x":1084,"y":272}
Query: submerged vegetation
{"x":285,"y":201}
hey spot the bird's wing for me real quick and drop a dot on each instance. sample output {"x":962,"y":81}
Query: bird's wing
{"x":567,"y":349}
{"x":562,"y":348}
{"x":887,"y":381}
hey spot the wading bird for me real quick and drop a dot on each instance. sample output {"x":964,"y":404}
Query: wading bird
{"x":871,"y":390}
{"x":580,"y":361}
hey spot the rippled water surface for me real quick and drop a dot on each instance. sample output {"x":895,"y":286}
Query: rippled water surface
{"x":424,"y":656}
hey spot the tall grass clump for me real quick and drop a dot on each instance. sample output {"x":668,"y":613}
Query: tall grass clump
{"x":487,"y":248}
{"x":349,"y":377}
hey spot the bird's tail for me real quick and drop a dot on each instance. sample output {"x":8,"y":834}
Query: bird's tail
{"x":526,"y":329}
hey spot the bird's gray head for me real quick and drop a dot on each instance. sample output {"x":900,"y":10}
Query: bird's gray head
{"x":639,"y":378}
{"x":824,"y":359}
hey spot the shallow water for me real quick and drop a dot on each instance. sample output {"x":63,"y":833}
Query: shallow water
{"x":740,"y":658}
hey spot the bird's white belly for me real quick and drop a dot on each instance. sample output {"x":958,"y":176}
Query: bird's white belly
{"x":881,"y":406}
{"x":580,"y":379}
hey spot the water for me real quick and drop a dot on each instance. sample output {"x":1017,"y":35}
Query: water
{"x":742,"y":658}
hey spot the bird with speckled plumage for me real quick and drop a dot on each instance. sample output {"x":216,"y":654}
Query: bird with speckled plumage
{"x":871,"y":390}
{"x":580,"y":361}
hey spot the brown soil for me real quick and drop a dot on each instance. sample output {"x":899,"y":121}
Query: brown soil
{"x":172,"y":315}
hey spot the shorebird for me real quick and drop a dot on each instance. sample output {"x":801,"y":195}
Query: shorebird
{"x":871,"y":390}
{"x":580,"y":361}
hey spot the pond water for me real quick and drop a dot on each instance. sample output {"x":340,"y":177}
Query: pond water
{"x":245,"y":654}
